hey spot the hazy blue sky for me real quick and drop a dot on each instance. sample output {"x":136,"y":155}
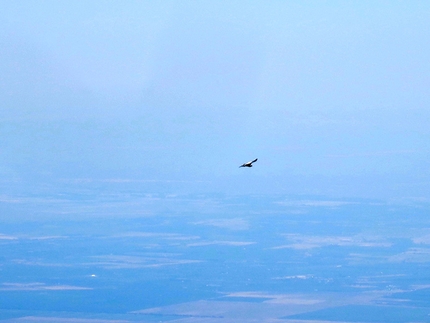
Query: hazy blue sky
{"x":331,"y":96}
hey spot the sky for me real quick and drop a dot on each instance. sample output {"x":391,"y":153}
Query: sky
{"x":330,"y":96}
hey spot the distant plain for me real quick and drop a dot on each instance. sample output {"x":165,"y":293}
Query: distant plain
{"x":214,"y":258}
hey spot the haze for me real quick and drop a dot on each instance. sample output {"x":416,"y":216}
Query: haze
{"x":331,"y":96}
{"x":122,"y":128}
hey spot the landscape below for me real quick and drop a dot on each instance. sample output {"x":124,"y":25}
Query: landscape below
{"x":90,"y":256}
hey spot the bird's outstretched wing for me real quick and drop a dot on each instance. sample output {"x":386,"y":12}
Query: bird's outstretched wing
{"x":249,"y":164}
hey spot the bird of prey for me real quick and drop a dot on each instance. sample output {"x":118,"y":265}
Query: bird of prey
{"x":249,"y":164}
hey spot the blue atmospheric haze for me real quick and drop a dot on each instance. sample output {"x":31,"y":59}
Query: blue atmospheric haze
{"x":329,"y":95}
{"x":122,"y":128}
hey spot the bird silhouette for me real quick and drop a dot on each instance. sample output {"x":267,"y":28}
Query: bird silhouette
{"x":249,"y":164}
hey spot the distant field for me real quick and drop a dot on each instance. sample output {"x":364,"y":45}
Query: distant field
{"x":219,"y":259}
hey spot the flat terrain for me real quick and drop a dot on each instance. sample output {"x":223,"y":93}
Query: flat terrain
{"x":98,"y":257}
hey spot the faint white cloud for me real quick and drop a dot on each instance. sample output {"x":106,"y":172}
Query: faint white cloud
{"x":17,"y":200}
{"x":6,"y":237}
{"x":235,"y":311}
{"x":40,"y":263}
{"x":417,"y":255}
{"x":38,"y":287}
{"x":11,"y":199}
{"x":221,"y":243}
{"x":121,"y":262}
{"x":277,"y":298}
{"x":48,"y":237}
{"x":365,"y":258}
{"x":294,"y":301}
{"x":231,"y":224}
{"x":310,"y":242}
{"x":301,"y":277}
{"x":53,"y":319}
{"x":315,"y":203}
{"x":422,"y":240}
{"x":166,"y":236}
{"x":412,"y":255}
{"x":372,"y":281}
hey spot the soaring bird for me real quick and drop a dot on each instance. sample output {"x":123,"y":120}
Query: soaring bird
{"x":249,"y":164}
